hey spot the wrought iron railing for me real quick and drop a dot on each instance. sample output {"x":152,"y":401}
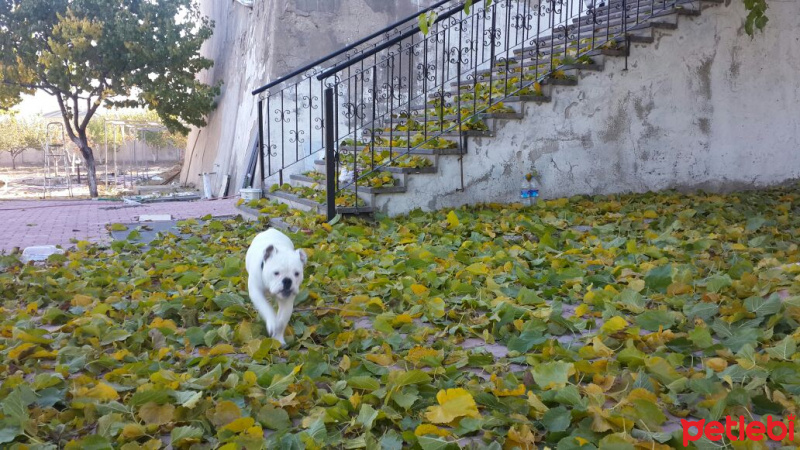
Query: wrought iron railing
{"x":289,"y":112}
{"x":413,"y":94}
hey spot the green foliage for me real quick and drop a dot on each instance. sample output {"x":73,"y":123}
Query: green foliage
{"x":143,"y":118}
{"x":122,"y":54}
{"x":756,"y":16}
{"x":18,"y":134}
{"x":578,"y":323}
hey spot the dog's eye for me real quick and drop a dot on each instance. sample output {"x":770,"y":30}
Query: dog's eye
{"x":277,"y":273}
{"x":297,"y":274}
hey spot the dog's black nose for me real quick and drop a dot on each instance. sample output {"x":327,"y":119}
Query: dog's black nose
{"x":287,"y":283}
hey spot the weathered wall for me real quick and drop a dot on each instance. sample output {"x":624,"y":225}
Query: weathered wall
{"x":251,"y":46}
{"x":704,"y":107}
{"x":141,"y":153}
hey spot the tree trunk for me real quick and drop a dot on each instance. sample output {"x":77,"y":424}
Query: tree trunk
{"x":88,"y":160}
{"x":13,"y":161}
{"x":91,"y":173}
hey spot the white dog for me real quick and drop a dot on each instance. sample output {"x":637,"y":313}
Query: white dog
{"x":275,"y":271}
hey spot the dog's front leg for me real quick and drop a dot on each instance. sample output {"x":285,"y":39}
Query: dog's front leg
{"x":285,"y":308}
{"x":262,"y":305}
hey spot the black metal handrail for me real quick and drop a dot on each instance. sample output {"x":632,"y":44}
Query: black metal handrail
{"x":348,"y":48}
{"x":289,"y":98}
{"x":352,"y":61}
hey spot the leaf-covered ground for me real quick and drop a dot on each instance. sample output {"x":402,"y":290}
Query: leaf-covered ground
{"x":580,"y":323}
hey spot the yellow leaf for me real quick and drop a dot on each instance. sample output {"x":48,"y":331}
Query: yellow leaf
{"x":21,"y":350}
{"x":344,"y":364}
{"x":520,"y":437}
{"x":381,"y":360}
{"x":44,"y":354}
{"x":255,"y":431}
{"x":355,"y":400}
{"x":716,"y":364}
{"x":240,"y":424}
{"x":614,"y":324}
{"x":221,"y":349}
{"x":636,"y":285}
{"x":452,"y":220}
{"x":417,"y":353}
{"x":427,"y":428}
{"x":402,"y":319}
{"x":520,"y":390}
{"x":102,"y":392}
{"x":418,"y":289}
{"x":600,"y":349}
{"x":162,"y":352}
{"x":158,"y":322}
{"x":81,"y":300}
{"x":536,"y":403}
{"x":133,"y":431}
{"x":224,"y":413}
{"x":478,"y":269}
{"x":650,"y":214}
{"x":155,"y":414}
{"x":582,"y":310}
{"x":250,"y":378}
{"x":453,"y":403}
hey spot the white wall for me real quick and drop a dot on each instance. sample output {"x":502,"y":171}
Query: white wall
{"x":704,"y":107}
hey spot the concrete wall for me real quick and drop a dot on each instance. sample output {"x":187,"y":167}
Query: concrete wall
{"x":251,"y":46}
{"x":704,"y":107}
{"x":142,"y":153}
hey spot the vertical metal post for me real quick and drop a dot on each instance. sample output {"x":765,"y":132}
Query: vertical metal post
{"x":261,"y":142}
{"x":330,"y":154}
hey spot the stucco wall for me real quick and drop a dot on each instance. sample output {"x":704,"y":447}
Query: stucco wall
{"x":704,"y":107}
{"x":251,"y":46}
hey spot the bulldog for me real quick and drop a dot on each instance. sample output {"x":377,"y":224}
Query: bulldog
{"x":275,"y":271}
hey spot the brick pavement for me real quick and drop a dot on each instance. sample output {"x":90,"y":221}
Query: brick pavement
{"x":24,"y":223}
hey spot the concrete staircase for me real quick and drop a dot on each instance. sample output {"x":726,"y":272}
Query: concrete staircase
{"x":504,"y":91}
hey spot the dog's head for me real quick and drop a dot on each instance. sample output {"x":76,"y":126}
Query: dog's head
{"x":282,"y":270}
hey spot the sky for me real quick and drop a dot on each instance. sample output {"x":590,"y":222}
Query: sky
{"x":37,"y":104}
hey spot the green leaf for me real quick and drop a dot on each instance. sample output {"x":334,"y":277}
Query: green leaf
{"x":15,"y":405}
{"x":179,"y":434}
{"x":717,"y":283}
{"x":9,"y":433}
{"x":552,"y":374}
{"x":784,"y":349}
{"x":274,"y":418}
{"x":363,"y":382}
{"x":556,"y":419}
{"x":762,"y":307}
{"x":652,"y":320}
{"x":366,"y":416}
{"x":658,"y":279}
{"x":411,"y":377}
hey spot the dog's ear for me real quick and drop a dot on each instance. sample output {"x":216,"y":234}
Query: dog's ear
{"x":269,"y":252}
{"x":303,"y":256}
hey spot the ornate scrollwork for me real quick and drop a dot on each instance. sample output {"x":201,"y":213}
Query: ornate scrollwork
{"x":459,"y":55}
{"x":282,"y":115}
{"x":355,"y":110}
{"x":522,"y":21}
{"x":426,"y":72}
{"x":296,"y":136}
{"x":310,"y":102}
{"x":492,"y":35}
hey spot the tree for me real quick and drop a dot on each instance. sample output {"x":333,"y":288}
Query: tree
{"x":121,"y":53}
{"x":98,"y":134}
{"x":18,"y":135}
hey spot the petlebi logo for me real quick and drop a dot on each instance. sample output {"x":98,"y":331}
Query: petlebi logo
{"x":737,"y":430}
